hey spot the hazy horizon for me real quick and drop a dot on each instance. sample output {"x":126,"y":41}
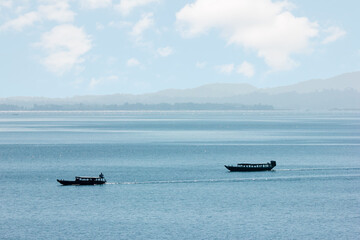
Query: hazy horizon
{"x":355,"y":84}
{"x":340,"y":92}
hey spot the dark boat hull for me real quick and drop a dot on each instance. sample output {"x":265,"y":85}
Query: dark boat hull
{"x":247,"y":169}
{"x":66,"y":182}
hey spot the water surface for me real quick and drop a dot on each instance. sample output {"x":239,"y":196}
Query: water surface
{"x":166,"y":178}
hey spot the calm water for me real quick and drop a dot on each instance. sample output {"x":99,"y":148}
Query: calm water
{"x":166,"y":178}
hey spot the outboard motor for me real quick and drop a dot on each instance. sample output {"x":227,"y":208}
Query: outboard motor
{"x":273,"y":163}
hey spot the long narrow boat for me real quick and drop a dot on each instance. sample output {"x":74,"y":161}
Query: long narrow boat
{"x":84,"y":180}
{"x":251,"y":167}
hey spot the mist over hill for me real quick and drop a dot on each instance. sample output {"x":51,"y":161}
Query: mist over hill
{"x":340,"y":92}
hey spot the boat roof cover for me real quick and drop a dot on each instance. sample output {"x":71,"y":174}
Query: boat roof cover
{"x":86,"y":177}
{"x":253,"y":163}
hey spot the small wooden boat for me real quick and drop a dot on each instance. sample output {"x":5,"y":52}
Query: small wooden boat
{"x":251,"y":167}
{"x":84,"y":180}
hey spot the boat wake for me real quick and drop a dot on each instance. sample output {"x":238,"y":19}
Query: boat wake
{"x":262,"y":179}
{"x":318,"y":169}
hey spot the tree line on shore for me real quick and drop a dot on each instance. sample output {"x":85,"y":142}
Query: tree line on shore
{"x":136,"y":106}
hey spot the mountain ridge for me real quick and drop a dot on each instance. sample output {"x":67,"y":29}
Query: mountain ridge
{"x":315,"y":93}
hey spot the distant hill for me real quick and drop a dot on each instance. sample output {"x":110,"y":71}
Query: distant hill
{"x":340,"y":83}
{"x":219,"y":90}
{"x":340,"y":92}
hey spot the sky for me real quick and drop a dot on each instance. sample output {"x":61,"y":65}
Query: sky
{"x":65,"y":48}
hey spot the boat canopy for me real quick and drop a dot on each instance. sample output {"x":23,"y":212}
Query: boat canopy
{"x":253,"y":164}
{"x":87,"y":178}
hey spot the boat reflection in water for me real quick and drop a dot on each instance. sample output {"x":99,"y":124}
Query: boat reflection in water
{"x":251,"y":167}
{"x":84,"y":180}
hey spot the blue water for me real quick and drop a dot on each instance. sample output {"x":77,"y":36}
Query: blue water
{"x":166,"y":178}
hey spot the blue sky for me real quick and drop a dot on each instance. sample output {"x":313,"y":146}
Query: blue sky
{"x":56,"y":48}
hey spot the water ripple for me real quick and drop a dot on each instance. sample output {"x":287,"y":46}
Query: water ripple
{"x":262,"y":179}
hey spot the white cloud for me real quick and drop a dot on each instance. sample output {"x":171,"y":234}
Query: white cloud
{"x":164,"y":52}
{"x":145,"y":22}
{"x":55,"y":11}
{"x":65,"y":45}
{"x":94,"y":82}
{"x":94,"y":4}
{"x":200,"y":64}
{"x":226,"y":68}
{"x":21,"y":9}
{"x":267,"y":27}
{"x":132,"y":62}
{"x":126,"y":6}
{"x":334,"y":33}
{"x":246,"y":69}
{"x":22,"y":21}
{"x":5,"y":3}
